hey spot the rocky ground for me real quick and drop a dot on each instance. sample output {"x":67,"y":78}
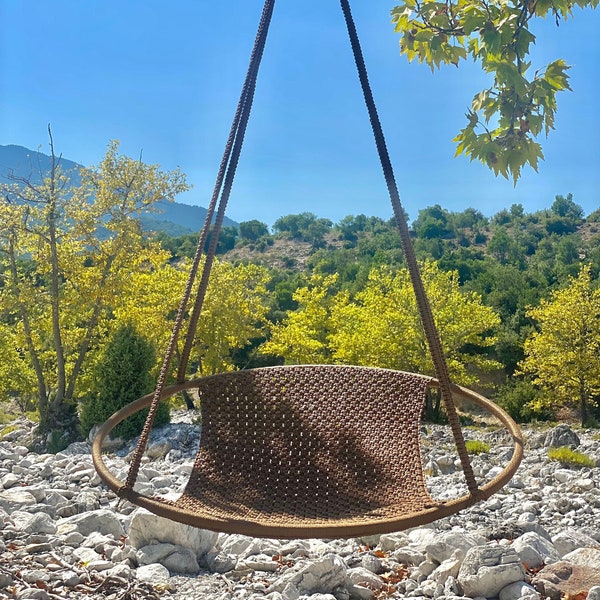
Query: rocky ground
{"x":63,"y":538}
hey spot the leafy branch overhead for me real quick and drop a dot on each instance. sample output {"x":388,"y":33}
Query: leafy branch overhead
{"x":504,"y":120}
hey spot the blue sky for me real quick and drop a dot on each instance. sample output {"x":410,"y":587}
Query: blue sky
{"x":165,"y":82}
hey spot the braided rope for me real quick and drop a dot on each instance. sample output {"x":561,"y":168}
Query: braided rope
{"x":431,"y":333}
{"x":224,"y":181}
{"x":238,"y":134}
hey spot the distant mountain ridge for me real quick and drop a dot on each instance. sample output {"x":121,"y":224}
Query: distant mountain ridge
{"x":174,"y":218}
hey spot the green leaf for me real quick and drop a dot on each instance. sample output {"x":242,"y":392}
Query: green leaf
{"x":492,"y":40}
{"x":556,"y":75}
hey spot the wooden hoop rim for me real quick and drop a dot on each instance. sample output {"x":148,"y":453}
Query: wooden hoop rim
{"x":338,"y":529}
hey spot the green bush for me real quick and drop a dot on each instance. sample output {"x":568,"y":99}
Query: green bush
{"x":477,"y":447}
{"x":520,"y":399}
{"x":570,"y":458}
{"x":122,"y":375}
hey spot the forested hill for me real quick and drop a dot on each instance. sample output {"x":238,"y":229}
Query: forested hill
{"x":172,"y":218}
{"x":555,"y":240}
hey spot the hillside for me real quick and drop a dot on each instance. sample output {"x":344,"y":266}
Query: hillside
{"x":173,"y":218}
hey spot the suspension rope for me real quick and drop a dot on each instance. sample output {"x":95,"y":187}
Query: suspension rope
{"x":222,"y":188}
{"x":431,"y":333}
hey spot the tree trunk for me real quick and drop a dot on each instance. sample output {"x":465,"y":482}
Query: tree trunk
{"x":583,"y":399}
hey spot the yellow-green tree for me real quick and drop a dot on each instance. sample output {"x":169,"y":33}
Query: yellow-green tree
{"x":380,"y":326}
{"x":562,"y":356}
{"x":16,"y":373}
{"x":233,"y":316}
{"x":303,"y":336}
{"x":65,"y":251}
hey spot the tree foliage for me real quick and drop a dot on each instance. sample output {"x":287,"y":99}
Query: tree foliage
{"x":562,"y":356}
{"x":504,"y":120}
{"x":66,"y":252}
{"x":122,"y":375}
{"x":234,"y":316}
{"x":253,"y":230}
{"x":305,"y":226}
{"x":302,"y":336}
{"x":380,"y":326}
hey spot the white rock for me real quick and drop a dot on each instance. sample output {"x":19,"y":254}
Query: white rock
{"x":422,"y":537}
{"x":218,"y":562}
{"x":594,"y":593}
{"x":365,"y":578}
{"x":33,"y":522}
{"x":259,"y":562}
{"x":16,"y":499}
{"x":176,"y":559}
{"x":448,"y":568}
{"x":73,"y":539}
{"x":103,"y":521}
{"x":427,"y":567}
{"x":571,"y":539}
{"x":100,"y":565}
{"x":323,"y":575}
{"x":120,"y":570}
{"x":452,"y":588}
{"x":147,"y":527}
{"x":392,"y":541}
{"x":563,"y":475}
{"x":519,"y":589}
{"x":356,"y":592}
{"x":239,"y":545}
{"x":153,"y":574}
{"x":534,"y":550}
{"x":584,"y":557}
{"x":372,"y":563}
{"x":86,"y":555}
{"x":449,"y":541}
{"x":38,"y":491}
{"x":562,"y":435}
{"x":9,"y":480}
{"x":409,"y":556}
{"x":159,"y":449}
{"x":487,"y":569}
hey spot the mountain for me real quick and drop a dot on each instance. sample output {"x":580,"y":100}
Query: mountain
{"x":174,"y":218}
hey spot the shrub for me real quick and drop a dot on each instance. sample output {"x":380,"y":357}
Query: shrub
{"x":122,"y":375}
{"x":477,"y":447}
{"x":570,"y":458}
{"x":520,"y":399}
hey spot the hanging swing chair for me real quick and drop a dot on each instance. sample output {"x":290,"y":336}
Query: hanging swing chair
{"x":305,"y":451}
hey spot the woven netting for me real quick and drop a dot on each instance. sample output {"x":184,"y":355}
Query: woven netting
{"x":309,"y":445}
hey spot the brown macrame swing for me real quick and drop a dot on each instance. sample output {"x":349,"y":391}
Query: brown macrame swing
{"x":307,"y":450}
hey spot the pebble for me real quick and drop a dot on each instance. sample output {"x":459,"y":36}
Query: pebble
{"x":62,"y":537}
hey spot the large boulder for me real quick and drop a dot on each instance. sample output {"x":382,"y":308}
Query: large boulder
{"x":147,"y":528}
{"x":176,"y":559}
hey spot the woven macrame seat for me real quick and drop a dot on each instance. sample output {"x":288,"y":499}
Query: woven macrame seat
{"x":305,"y":451}
{"x":308,"y":451}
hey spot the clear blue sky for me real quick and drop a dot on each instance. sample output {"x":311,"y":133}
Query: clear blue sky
{"x":164,"y":79}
